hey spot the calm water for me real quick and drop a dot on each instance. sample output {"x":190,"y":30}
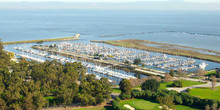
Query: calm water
{"x":195,"y":29}
{"x":91,"y":24}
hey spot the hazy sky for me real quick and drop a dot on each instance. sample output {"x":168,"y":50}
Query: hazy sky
{"x":195,"y":1}
{"x":209,"y":5}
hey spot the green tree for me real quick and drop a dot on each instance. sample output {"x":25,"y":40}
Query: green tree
{"x":151,"y":84}
{"x":1,"y":45}
{"x":137,"y":61}
{"x":188,"y":90}
{"x":177,"y":84}
{"x":171,"y":73}
{"x":125,"y":86}
{"x":137,"y":75}
{"x":166,"y":102}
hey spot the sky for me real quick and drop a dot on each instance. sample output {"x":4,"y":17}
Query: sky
{"x":197,"y":5}
{"x":192,"y":1}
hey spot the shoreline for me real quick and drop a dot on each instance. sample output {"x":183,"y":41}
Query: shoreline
{"x":138,"y":44}
{"x":41,"y":40}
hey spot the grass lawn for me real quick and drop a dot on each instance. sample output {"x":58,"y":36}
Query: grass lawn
{"x":141,"y":104}
{"x":116,"y":90}
{"x":211,"y":72}
{"x":206,"y":93}
{"x":164,"y":85}
{"x":186,"y":83}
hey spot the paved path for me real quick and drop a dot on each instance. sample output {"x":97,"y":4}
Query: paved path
{"x":209,"y":84}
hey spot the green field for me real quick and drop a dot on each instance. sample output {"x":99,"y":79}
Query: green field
{"x":186,"y":83}
{"x":210,"y":73}
{"x":206,"y":93}
{"x":141,"y":104}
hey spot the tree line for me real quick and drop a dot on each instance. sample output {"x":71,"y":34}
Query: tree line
{"x":29,"y":85}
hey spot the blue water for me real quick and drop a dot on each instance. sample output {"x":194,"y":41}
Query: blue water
{"x":18,"y":25}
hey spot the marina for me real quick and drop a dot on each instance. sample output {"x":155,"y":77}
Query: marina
{"x":113,"y":75}
{"x":161,"y":61}
{"x":103,"y":59}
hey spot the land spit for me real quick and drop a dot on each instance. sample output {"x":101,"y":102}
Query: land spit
{"x":75,"y":37}
{"x":88,"y":58}
{"x":165,"y":48}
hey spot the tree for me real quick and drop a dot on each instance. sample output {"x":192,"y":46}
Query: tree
{"x":125,"y":86}
{"x":2,"y":104}
{"x":168,"y":78}
{"x":166,"y":102}
{"x":97,"y":91}
{"x":188,"y":90}
{"x":11,"y":55}
{"x":155,"y":77}
{"x":137,"y":75}
{"x":1,"y":45}
{"x":177,"y":84}
{"x":171,"y":73}
{"x":137,"y":61}
{"x":151,"y":84}
{"x":200,"y":72}
{"x":127,"y":62}
{"x":214,"y":80}
{"x":207,"y":107}
{"x":214,"y":106}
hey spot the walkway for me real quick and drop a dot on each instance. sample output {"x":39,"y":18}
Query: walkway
{"x":209,"y":84}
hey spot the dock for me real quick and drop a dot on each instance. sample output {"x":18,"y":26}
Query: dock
{"x":89,"y":58}
{"x":31,"y":58}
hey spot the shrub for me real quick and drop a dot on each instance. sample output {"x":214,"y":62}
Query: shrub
{"x":188,"y":90}
{"x":124,"y":96}
{"x":151,"y":84}
{"x":167,"y":101}
{"x":177,"y":84}
{"x":178,"y":100}
{"x":125,"y":86}
{"x":117,"y":106}
{"x":117,"y":99}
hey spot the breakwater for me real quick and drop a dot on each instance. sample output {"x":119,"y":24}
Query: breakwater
{"x":75,"y":37}
{"x":164,"y":48}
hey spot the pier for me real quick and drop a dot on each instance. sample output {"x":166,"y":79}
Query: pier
{"x":89,"y":58}
{"x":31,"y":58}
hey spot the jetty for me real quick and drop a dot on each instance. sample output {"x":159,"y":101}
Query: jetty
{"x":165,"y":48}
{"x":75,"y":37}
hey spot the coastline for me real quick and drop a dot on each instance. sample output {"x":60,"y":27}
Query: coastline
{"x":138,"y":44}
